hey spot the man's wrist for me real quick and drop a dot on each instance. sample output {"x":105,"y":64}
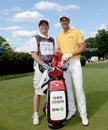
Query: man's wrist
{"x":44,"y":65}
{"x":47,"y":66}
{"x":71,"y":54}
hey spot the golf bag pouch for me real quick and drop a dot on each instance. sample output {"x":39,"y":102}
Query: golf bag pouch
{"x":57,"y":103}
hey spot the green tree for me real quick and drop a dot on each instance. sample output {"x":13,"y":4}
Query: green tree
{"x":4,"y":44}
{"x":91,"y":43}
{"x":102,"y":42}
{"x":15,"y":63}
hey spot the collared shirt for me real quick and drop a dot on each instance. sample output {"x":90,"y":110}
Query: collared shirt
{"x":68,"y":41}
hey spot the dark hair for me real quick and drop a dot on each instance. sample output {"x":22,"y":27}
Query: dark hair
{"x":43,"y":21}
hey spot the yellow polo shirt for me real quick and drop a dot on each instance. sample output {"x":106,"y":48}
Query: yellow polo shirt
{"x":68,"y":42}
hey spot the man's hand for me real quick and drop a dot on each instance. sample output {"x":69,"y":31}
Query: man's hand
{"x":47,"y":67}
{"x":67,"y":56}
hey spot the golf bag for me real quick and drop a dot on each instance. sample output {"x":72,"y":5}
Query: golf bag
{"x":56,"y":107}
{"x":57,"y":100}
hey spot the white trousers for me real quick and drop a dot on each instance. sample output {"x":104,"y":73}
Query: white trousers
{"x":74,"y":73}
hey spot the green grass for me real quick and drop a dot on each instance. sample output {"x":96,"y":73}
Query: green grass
{"x":4,"y":77}
{"x":16,"y":102}
{"x":101,"y":64}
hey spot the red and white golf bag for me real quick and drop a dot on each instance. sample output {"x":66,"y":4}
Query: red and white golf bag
{"x":56,"y":107}
{"x":57,"y":100}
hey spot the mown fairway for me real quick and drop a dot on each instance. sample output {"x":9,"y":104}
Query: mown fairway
{"x":16,"y":102}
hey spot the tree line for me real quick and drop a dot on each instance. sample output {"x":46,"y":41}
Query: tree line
{"x":100,"y":42}
{"x":14,"y":62}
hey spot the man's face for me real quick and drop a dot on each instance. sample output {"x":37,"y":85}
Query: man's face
{"x":65,"y":22}
{"x":44,"y":28}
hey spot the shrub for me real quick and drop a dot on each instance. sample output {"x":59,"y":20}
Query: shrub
{"x":83,"y":60}
{"x":15,"y":63}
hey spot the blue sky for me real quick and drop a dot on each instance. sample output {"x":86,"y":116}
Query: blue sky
{"x":19,"y":18}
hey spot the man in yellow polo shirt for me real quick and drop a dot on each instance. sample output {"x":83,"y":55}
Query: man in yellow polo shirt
{"x":71,"y":43}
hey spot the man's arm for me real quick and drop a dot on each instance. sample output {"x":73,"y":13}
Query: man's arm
{"x":81,"y":48}
{"x":37,"y":58}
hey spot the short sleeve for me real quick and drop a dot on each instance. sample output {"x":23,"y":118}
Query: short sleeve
{"x":80,"y":37}
{"x":33,"y":45}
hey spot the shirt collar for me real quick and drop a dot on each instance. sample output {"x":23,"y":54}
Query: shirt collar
{"x":43,"y":36}
{"x":67,"y":31}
